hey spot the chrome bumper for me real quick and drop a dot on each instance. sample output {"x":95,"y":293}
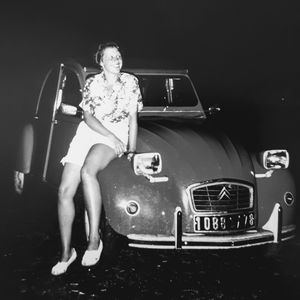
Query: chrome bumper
{"x":271,"y":232}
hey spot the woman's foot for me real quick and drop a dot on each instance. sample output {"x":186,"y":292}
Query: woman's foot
{"x":91,"y":257}
{"x":62,"y":266}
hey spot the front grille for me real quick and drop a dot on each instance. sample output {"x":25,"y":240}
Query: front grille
{"x":221,"y":196}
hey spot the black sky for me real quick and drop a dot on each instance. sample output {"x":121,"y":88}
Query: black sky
{"x":221,"y":40}
{"x":235,"y":51}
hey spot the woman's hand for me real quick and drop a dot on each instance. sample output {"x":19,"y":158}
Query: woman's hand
{"x":96,"y":125}
{"x":130,"y":155}
{"x":119,"y":146}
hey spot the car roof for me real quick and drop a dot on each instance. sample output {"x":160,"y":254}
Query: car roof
{"x":166,"y":72}
{"x":156,"y":71}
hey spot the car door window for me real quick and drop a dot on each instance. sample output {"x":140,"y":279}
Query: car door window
{"x":47,"y":96}
{"x":71,"y":90}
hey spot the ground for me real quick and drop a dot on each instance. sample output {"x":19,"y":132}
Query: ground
{"x":30,"y":247}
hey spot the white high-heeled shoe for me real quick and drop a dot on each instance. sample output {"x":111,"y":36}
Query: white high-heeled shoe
{"x":91,"y":257}
{"x":62,"y":266}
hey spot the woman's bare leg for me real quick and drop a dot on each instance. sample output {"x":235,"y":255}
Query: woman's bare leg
{"x":97,"y":159}
{"x":66,"y":209}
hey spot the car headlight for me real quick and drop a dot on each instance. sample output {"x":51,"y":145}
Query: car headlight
{"x":275,"y":159}
{"x":147,"y":163}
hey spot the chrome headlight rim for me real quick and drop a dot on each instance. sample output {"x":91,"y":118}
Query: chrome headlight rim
{"x":280,"y":157}
{"x":148,"y":163}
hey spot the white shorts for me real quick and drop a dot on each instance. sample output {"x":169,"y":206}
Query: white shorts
{"x":85,"y":138}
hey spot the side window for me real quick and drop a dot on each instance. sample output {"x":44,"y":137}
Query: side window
{"x":71,"y":90}
{"x":47,"y":96}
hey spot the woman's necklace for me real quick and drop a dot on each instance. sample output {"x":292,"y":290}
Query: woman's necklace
{"x":109,"y":85}
{"x":109,"y":90}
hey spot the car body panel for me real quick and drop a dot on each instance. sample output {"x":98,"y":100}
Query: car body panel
{"x":194,"y":158}
{"x":275,"y":188}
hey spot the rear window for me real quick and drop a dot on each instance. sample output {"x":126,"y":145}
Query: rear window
{"x":170,"y":91}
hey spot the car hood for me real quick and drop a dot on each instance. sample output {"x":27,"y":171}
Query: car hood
{"x":192,"y":154}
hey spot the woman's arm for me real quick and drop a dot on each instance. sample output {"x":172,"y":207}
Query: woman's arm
{"x":133,"y":127}
{"x":97,"y":126}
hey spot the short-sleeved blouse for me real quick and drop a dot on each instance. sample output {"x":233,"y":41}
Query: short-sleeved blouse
{"x":115,"y":105}
{"x":111,"y":107}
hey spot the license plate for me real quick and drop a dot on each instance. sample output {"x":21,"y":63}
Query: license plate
{"x":224,"y":223}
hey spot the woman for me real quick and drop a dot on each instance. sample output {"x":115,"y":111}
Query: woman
{"x":111,"y":100}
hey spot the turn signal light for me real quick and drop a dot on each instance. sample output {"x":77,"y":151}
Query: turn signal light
{"x":132,"y":208}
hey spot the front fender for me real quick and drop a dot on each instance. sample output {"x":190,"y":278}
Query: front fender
{"x":272,"y":190}
{"x":157,"y":201}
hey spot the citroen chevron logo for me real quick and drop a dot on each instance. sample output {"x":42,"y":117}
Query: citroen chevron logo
{"x":224,"y":193}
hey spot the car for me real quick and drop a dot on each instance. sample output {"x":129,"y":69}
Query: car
{"x":188,"y":186}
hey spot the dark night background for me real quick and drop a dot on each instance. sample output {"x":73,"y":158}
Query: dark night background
{"x":241,"y":55}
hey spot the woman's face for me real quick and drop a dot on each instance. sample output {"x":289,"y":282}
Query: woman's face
{"x":111,"y":61}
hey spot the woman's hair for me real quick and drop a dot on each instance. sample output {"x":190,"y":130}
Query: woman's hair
{"x":99,"y":54}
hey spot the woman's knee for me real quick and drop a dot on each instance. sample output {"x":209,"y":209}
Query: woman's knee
{"x":88,"y":172}
{"x":97,"y":159}
{"x":65,"y":194}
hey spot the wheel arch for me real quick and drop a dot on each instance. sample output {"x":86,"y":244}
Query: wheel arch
{"x":25,"y":148}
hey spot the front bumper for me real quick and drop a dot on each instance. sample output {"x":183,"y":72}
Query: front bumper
{"x":271,"y":232}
